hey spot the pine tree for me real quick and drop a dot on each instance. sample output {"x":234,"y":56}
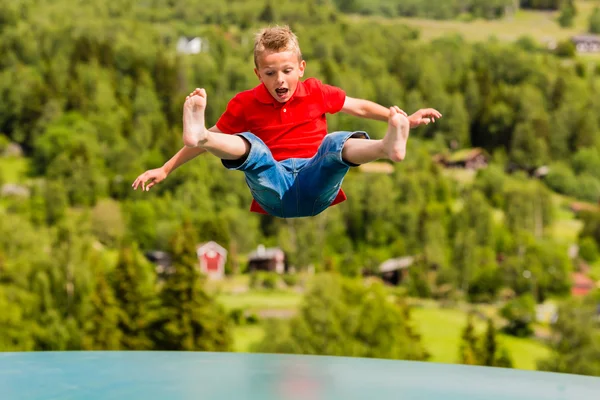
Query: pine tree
{"x":468,"y":346}
{"x":100,"y":331}
{"x":189,"y":319}
{"x":133,"y":295}
{"x":490,"y":346}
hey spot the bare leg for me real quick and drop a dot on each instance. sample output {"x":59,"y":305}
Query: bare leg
{"x":195,"y":134}
{"x":391,"y":147}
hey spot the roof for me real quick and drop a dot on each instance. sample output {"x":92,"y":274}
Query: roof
{"x":586,"y":38}
{"x":210,"y":246}
{"x":466,"y":154}
{"x":264,"y":253}
{"x":394,"y":264}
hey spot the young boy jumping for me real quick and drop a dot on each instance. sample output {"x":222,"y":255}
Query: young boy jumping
{"x":276,"y":133}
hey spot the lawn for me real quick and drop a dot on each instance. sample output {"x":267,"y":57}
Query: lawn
{"x":261,"y":300}
{"x":13,"y":169}
{"x":245,"y":336}
{"x":441,"y":330}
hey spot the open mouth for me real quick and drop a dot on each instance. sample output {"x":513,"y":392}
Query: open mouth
{"x":281,"y":92}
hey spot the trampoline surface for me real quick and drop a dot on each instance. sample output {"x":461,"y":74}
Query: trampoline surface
{"x":239,"y":376}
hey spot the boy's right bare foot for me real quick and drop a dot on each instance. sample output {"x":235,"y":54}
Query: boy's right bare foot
{"x":194,"y":130}
{"x":396,"y":137}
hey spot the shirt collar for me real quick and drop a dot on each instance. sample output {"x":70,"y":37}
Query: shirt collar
{"x":262,"y":94}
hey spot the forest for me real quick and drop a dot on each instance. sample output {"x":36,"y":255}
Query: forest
{"x":91,"y":95}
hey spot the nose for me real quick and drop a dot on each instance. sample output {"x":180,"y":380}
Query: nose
{"x":280,"y":78}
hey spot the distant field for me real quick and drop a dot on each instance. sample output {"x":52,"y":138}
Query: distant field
{"x":13,"y":169}
{"x":440,"y":329}
{"x":246,"y":336}
{"x":538,"y":24}
{"x":261,"y":300}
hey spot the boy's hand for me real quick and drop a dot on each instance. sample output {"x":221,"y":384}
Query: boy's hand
{"x":424,"y":116}
{"x":152,"y":176}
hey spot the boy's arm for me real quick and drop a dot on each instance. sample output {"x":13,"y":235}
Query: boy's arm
{"x":154,"y":176}
{"x":185,"y":154}
{"x":366,"y":109}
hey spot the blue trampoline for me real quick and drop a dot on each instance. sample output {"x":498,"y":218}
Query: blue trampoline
{"x":238,"y":376}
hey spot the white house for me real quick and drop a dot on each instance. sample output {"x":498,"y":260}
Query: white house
{"x":191,"y":45}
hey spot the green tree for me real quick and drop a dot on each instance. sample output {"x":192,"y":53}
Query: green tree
{"x":594,"y":21}
{"x":189,"y":318}
{"x":468,"y":350}
{"x":568,"y":11}
{"x":344,"y":317}
{"x":575,"y":339}
{"x":100,"y":329}
{"x":15,"y":334}
{"x":520,"y":314}
{"x":482,"y":350}
{"x":133,"y":296}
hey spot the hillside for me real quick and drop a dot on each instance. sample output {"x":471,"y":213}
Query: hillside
{"x":539,"y":25}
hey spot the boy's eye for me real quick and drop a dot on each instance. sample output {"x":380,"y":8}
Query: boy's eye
{"x":269,"y":73}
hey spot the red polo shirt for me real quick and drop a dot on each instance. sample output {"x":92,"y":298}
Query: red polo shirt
{"x":293,"y":129}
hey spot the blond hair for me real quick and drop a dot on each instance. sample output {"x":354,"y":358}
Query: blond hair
{"x":278,"y":38}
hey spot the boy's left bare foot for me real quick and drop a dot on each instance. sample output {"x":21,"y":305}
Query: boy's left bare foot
{"x":396,"y":137}
{"x":194,"y":130}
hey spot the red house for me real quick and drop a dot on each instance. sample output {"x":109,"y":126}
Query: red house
{"x":211,"y":258}
{"x":582,"y":284}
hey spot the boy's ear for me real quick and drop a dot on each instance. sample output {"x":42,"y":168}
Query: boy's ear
{"x":302,"y":67}
{"x":257,"y":74}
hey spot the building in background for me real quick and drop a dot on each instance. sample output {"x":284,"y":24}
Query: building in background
{"x":211,"y":259}
{"x":267,"y":259}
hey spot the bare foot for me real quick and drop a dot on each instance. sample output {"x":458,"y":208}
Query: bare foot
{"x":396,"y":136}
{"x":194,"y":131}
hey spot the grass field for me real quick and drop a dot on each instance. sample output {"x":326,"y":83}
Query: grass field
{"x":440,"y":328}
{"x":13,"y":169}
{"x":261,"y":300}
{"x":538,"y":24}
{"x":245,"y":336}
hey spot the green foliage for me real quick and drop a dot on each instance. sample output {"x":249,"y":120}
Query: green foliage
{"x":575,"y":339}
{"x":100,"y":331}
{"x":561,"y":179}
{"x":449,"y":9}
{"x":568,"y":11}
{"x":340,"y":316}
{"x":134,"y":295}
{"x":541,"y":4}
{"x":594,"y":21}
{"x":484,"y":350}
{"x":189,"y":319}
{"x":588,"y":249}
{"x":565,"y":49}
{"x":520,"y":315}
{"x":264,"y":280}
{"x":528,"y":207}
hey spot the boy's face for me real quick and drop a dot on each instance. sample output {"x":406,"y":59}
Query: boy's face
{"x":280,"y":72}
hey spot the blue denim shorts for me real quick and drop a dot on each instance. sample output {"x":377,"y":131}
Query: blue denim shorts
{"x":296,"y":187}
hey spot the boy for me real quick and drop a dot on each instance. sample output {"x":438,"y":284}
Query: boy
{"x":277,"y":134}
